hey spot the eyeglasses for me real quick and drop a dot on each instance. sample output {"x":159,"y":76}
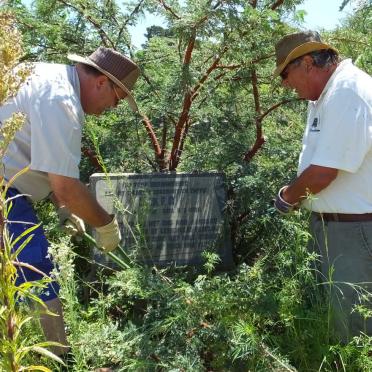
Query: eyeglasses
{"x":284,"y":73}
{"x":296,"y":62}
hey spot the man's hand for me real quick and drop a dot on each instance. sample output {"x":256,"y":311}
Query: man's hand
{"x":69,"y":222}
{"x":108,"y":236}
{"x":281,"y":205}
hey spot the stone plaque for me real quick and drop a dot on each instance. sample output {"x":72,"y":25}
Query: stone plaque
{"x":168,"y":218}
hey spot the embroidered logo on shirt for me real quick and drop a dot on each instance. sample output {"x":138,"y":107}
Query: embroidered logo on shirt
{"x":315,"y":127}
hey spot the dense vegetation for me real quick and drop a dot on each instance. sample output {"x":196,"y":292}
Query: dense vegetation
{"x":207,"y":102}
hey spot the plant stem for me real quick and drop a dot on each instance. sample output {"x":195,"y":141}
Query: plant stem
{"x":124,"y":264}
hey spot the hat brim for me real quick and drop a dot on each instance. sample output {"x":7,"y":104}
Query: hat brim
{"x":131,"y":101}
{"x":301,"y":50}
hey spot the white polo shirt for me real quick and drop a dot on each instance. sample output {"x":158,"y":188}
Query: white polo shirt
{"x":50,"y":139}
{"x":339,"y":135}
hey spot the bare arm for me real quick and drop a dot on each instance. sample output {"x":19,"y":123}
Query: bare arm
{"x":312,"y":180}
{"x":73,"y":194}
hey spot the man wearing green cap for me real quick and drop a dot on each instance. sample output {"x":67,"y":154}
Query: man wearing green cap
{"x":335,"y":166}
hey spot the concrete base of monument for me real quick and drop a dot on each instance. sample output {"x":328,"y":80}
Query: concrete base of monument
{"x":167,"y":218}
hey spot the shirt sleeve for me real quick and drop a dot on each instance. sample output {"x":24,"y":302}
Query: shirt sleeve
{"x":56,"y":135}
{"x":345,"y":136}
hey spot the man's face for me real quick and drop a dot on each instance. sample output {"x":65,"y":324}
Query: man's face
{"x":297,"y":76}
{"x":106,"y":95}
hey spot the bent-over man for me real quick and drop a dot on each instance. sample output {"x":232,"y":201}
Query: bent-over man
{"x":54,"y":99}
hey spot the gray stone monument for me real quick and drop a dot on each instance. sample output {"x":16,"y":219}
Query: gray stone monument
{"x":168,"y":218}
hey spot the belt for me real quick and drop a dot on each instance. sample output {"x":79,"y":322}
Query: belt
{"x":343,"y":217}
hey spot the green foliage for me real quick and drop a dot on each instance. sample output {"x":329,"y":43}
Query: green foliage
{"x":266,"y":316}
{"x":209,"y":50}
{"x":355,"y":37}
{"x":269,"y":315}
{"x":53,"y":28}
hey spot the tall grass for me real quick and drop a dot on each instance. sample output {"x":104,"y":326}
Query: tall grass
{"x":15,"y":346}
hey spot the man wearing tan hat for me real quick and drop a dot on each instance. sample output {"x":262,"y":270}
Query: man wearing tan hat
{"x":335,"y":166}
{"x":54,"y":99}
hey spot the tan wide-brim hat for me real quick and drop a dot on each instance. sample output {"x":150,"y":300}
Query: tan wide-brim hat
{"x":117,"y":67}
{"x":296,"y":45}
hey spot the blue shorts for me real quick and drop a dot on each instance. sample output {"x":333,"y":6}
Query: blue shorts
{"x":35,"y":252}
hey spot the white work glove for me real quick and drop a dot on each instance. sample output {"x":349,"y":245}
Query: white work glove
{"x":69,"y":222}
{"x":108,"y":237}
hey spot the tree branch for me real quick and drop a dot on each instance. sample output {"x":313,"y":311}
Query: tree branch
{"x":135,"y":11}
{"x":106,"y":40}
{"x":163,"y":145}
{"x":152,"y":135}
{"x":256,"y":94}
{"x":184,"y":117}
{"x":190,"y":47}
{"x":182,"y":143}
{"x":125,"y":23}
{"x":277,"y":4}
{"x":169,"y":9}
{"x":185,"y":107}
{"x":203,"y":19}
{"x":93,"y":158}
{"x":190,"y":95}
{"x":278,"y":105}
{"x":212,"y":67}
{"x":153,"y":165}
{"x":229,"y":67}
{"x":260,"y":140}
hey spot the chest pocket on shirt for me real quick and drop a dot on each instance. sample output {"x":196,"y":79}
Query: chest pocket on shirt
{"x":315,"y":126}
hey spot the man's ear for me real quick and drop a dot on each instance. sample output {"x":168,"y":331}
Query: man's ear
{"x":101,"y":81}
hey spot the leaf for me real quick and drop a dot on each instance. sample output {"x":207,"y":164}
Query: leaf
{"x":41,"y":345}
{"x":47,"y":353}
{"x":300,"y":15}
{"x":22,"y":246}
{"x":24,"y":233}
{"x":24,"y":321}
{"x":35,"y":368}
{"x":34,"y":298}
{"x":22,"y":171}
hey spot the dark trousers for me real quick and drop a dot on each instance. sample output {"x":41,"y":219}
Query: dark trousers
{"x":35,"y":253}
{"x":345,"y":268}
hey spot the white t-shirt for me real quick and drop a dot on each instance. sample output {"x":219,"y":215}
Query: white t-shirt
{"x":339,"y":135}
{"x":50,"y":139}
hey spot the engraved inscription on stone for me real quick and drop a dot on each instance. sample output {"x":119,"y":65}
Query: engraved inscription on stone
{"x":167,"y":218}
